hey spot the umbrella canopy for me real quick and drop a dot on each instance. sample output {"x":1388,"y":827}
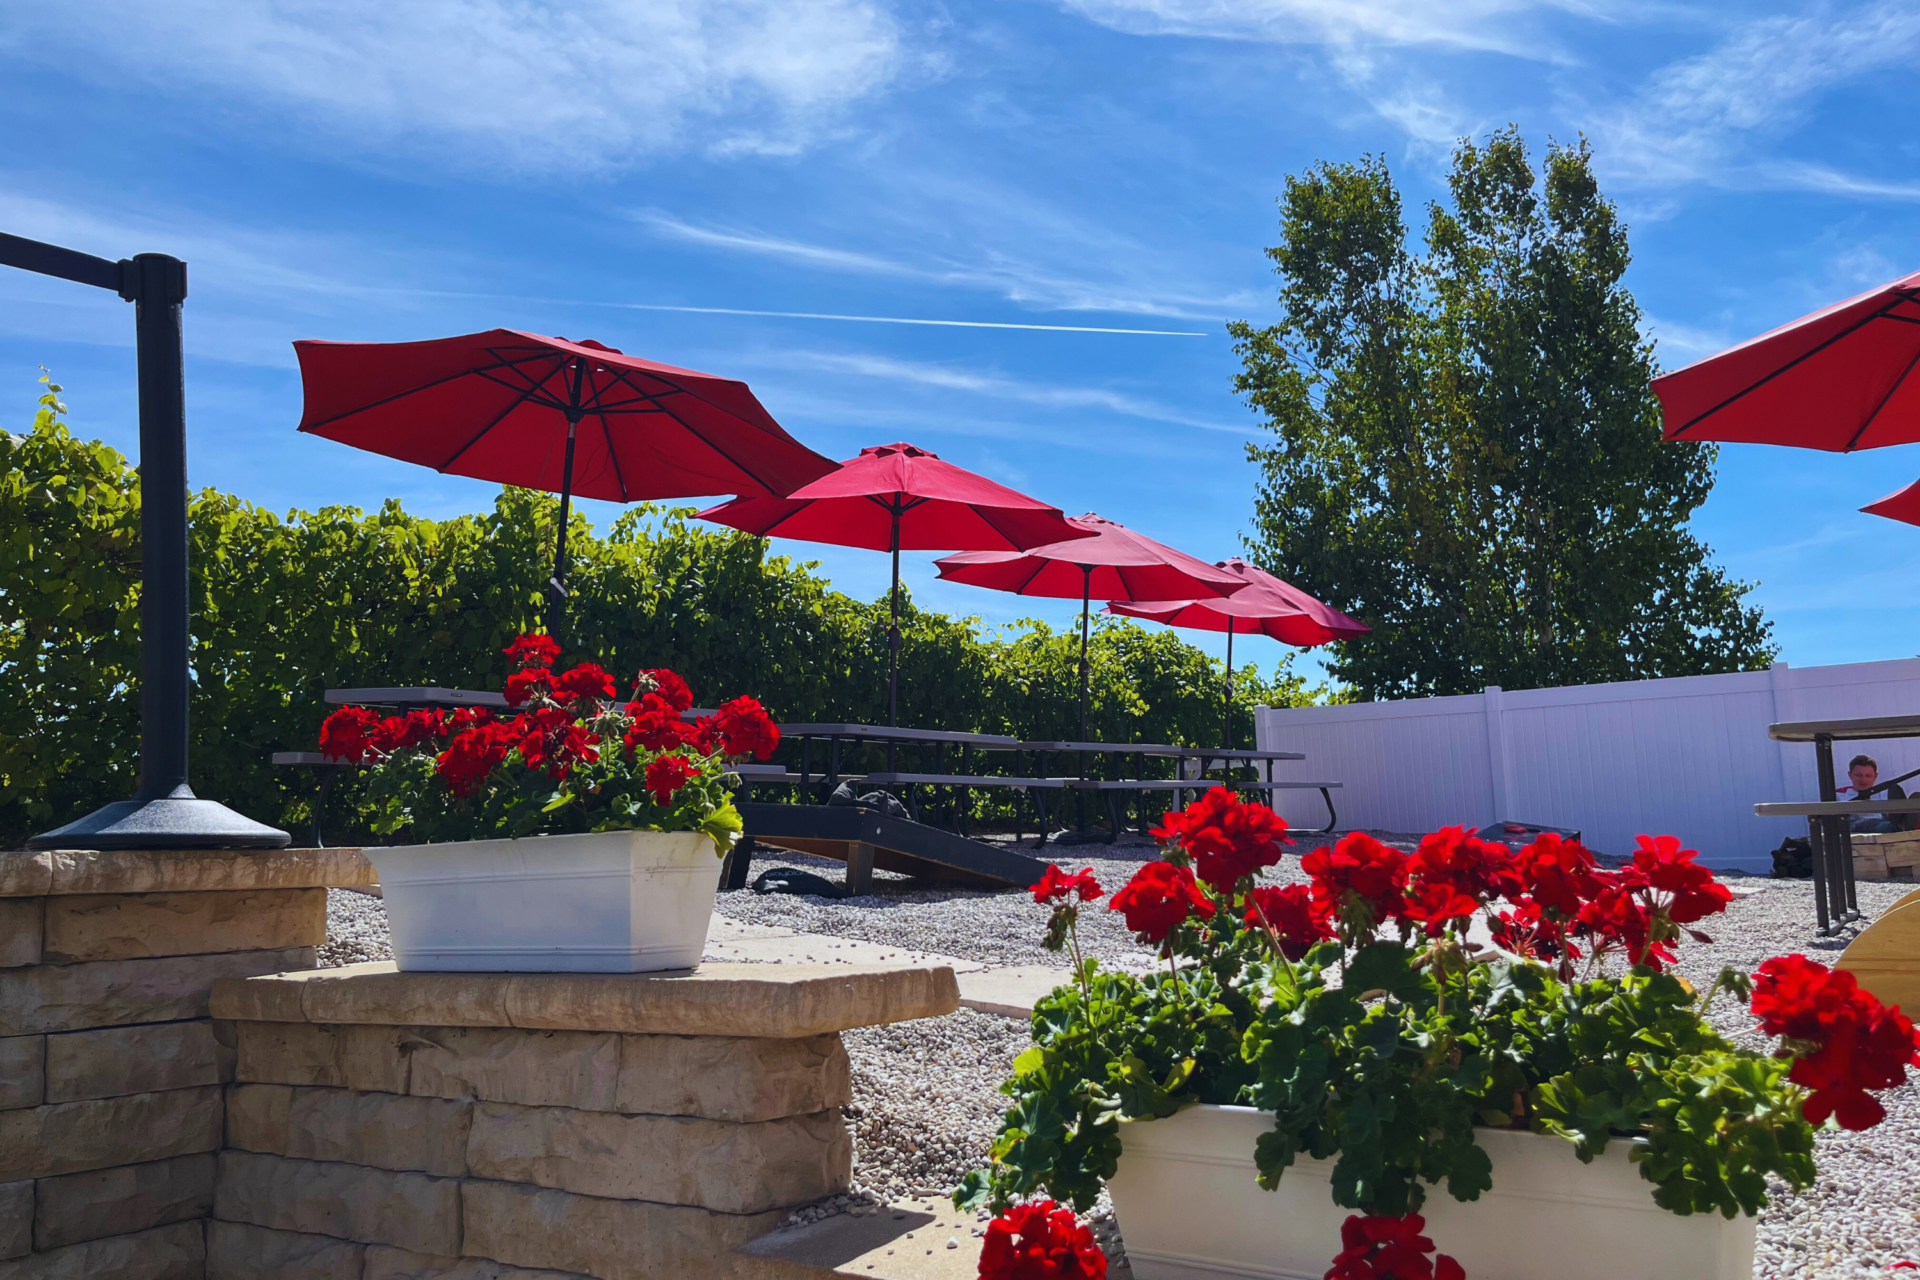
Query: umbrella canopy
{"x":1115,"y":564}
{"x":546,"y":413}
{"x":1840,"y":379}
{"x":898,"y":497}
{"x":1903,"y":505}
{"x":1267,"y":606}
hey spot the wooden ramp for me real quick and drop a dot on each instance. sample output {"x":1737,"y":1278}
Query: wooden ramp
{"x":1885,"y":957}
{"x":864,"y":838}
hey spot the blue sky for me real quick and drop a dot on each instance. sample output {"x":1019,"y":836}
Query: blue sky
{"x":353,"y":169}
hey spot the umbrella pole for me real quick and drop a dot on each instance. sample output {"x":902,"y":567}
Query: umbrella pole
{"x":1086,"y":595}
{"x":893,"y":632}
{"x":1226,"y":737}
{"x":557,"y":584}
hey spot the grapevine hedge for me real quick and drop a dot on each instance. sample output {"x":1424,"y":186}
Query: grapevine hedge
{"x":286,"y":608}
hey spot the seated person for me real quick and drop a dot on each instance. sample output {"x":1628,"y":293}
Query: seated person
{"x":1864,"y":773}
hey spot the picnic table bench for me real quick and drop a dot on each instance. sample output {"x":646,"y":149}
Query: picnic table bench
{"x":1829,"y":819}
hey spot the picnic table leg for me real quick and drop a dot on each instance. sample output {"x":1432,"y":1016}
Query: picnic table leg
{"x":1853,"y":897}
{"x":1333,"y":819}
{"x":1832,"y":848}
{"x":833,"y":764}
{"x":806,"y":771}
{"x":859,"y":869}
{"x":327,"y":775}
{"x":1113,"y":817}
{"x":734,"y":875}
{"x":1816,"y":838}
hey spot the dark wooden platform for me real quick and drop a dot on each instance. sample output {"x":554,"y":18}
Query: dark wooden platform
{"x":864,"y":839}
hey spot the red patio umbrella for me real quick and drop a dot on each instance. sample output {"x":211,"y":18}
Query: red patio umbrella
{"x":1267,"y":606}
{"x":898,"y":497}
{"x":1903,"y":505}
{"x":1116,"y":564}
{"x":1840,"y":379}
{"x":546,"y":413}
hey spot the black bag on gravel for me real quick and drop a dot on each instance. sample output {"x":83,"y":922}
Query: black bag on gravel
{"x":1793,"y":860}
{"x":881,"y":800}
{"x":794,"y":880}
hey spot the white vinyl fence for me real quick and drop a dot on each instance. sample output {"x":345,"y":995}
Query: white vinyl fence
{"x":1688,"y":756}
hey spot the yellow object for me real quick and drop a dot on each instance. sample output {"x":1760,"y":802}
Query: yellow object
{"x":1885,"y":958}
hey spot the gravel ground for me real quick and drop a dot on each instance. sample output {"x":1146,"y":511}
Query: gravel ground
{"x":926,"y":1093}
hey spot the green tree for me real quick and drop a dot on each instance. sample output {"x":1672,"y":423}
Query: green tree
{"x":1467,"y":451}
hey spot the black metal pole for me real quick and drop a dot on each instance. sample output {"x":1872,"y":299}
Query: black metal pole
{"x":557,"y":584}
{"x":164,"y":813}
{"x":1226,"y":738}
{"x":1086,"y":596}
{"x":893,"y":630}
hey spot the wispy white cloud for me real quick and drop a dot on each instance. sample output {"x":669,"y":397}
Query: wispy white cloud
{"x":1468,"y":24}
{"x":1011,"y":278}
{"x":524,"y":84}
{"x":1699,"y":119}
{"x":973,"y":381}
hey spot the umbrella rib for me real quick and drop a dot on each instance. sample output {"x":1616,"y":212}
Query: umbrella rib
{"x":613,"y":456}
{"x":1851,"y":329}
{"x":398,"y":395}
{"x":1897,"y":383}
{"x":521,"y":399}
{"x":696,"y":433}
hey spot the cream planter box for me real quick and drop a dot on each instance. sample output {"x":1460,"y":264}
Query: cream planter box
{"x":1190,"y":1210}
{"x":604,"y":902}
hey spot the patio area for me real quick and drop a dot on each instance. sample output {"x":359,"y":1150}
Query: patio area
{"x":925,"y":1093}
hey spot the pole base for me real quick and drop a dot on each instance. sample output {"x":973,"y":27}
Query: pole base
{"x":178,"y":821}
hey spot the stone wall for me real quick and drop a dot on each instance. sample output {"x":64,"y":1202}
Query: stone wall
{"x":112,"y":1073}
{"x":489,"y":1126}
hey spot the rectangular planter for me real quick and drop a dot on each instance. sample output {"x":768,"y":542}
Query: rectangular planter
{"x":1189,"y":1209}
{"x":603,"y":902}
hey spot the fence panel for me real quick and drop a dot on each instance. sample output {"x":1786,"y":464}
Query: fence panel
{"x":1689,"y":756}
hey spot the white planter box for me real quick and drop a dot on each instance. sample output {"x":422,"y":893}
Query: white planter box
{"x":604,"y":902}
{"x":1189,"y":1209}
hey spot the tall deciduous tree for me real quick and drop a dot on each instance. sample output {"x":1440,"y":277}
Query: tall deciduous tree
{"x":1467,"y":452}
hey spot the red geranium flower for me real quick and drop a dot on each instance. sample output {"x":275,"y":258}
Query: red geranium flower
{"x":553,"y":741}
{"x":397,"y":733}
{"x":472,"y":755}
{"x":1378,"y":1247}
{"x":703,"y":735}
{"x":746,"y":729}
{"x":1847,"y":1042}
{"x":1466,"y":865}
{"x":1056,"y":886}
{"x":1228,"y":838}
{"x":667,"y":774}
{"x":347,"y":734}
{"x":1159,"y":899}
{"x":1040,"y":1241}
{"x":588,"y":680}
{"x":1358,"y":881}
{"x":527,"y":684}
{"x":533,"y":651}
{"x":655,"y":725}
{"x":1289,"y":910}
{"x":668,"y":684}
{"x":1559,"y":874}
{"x":1688,"y":892}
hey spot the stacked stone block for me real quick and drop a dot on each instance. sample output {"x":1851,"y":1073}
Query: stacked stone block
{"x":491,"y":1126}
{"x":111,"y":1069}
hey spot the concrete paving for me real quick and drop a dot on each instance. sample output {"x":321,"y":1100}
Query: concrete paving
{"x":906,"y":1241}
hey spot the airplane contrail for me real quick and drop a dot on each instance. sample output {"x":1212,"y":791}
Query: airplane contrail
{"x":956,"y":324}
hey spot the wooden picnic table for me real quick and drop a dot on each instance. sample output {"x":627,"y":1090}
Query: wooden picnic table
{"x":1829,"y":819}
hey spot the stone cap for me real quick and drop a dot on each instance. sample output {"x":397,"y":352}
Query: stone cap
{"x":29,"y":874}
{"x":774,"y":1001}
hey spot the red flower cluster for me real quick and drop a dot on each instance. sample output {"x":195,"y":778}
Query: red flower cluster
{"x":746,"y":729}
{"x":1159,"y":899}
{"x":655,"y":725}
{"x":1383,"y":1248}
{"x":551,"y":739}
{"x":533,"y":651}
{"x":472,"y":755}
{"x":1845,"y":1040}
{"x":1040,"y":1241}
{"x":667,"y":774}
{"x":1056,"y":886}
{"x":587,"y":682}
{"x":1359,"y":882}
{"x":354,"y":733}
{"x":1289,"y":911}
{"x":1453,"y":874}
{"x":1228,"y":838}
{"x":672,"y":689}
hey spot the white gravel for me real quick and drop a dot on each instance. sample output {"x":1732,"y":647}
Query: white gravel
{"x":926,"y":1093}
